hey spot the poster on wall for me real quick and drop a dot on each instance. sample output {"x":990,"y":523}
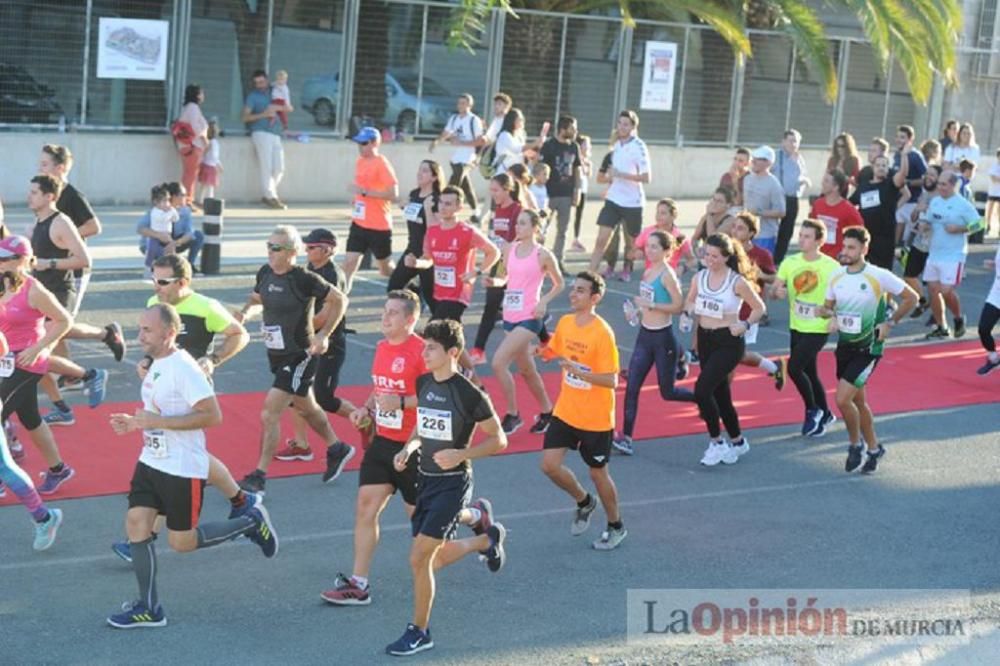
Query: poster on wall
{"x":658,"y":76}
{"x":132,"y":49}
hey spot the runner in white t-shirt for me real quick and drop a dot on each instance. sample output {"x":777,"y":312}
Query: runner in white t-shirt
{"x":989,"y":317}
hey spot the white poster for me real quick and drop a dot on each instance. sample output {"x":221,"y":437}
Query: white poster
{"x":132,"y":49}
{"x":658,"y":76}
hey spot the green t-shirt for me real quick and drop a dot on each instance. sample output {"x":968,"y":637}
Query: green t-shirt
{"x":201,"y":318}
{"x":860,"y":304}
{"x":806,"y":282}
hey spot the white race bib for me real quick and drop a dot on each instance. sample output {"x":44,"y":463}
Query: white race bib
{"x":411,"y":212}
{"x":513,"y":300}
{"x":444,"y":276}
{"x":750,"y":337}
{"x":501,"y":224}
{"x":870,"y":199}
{"x":831,"y":229}
{"x":575,"y":380}
{"x":7,"y":365}
{"x":646,"y":291}
{"x":434,"y":423}
{"x":359,"y":210}
{"x":273,"y":338}
{"x":805,"y":310}
{"x":392,"y":419}
{"x":849,"y":323}
{"x":708,"y":306}
{"x":156,"y":442}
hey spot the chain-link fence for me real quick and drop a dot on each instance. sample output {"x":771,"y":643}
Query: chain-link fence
{"x":386,"y":62}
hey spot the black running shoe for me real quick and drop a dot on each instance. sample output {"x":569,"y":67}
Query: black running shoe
{"x":871,"y":460}
{"x":959,"y":327}
{"x":115,"y":340}
{"x":510,"y":423}
{"x":919,"y":310}
{"x":939,"y":333}
{"x":854,"y":456}
{"x":495,"y":555}
{"x":780,"y":374}
{"x":541,"y":423}
{"x":337,"y":456}
{"x":254,"y":482}
{"x":989,"y":367}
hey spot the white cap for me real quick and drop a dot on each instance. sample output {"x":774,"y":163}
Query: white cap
{"x":763,"y":153}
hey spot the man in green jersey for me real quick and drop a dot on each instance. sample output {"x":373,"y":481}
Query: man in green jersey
{"x":802,"y":279}
{"x":856,"y":295}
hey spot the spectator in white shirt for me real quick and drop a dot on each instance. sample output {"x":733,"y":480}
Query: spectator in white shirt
{"x":463,"y":131}
{"x":965,"y":148}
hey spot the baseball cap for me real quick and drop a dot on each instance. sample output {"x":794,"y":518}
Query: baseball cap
{"x":320,"y":237}
{"x":15,"y":246}
{"x":763,"y":153}
{"x":366,"y":135}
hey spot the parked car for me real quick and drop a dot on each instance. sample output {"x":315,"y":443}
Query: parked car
{"x":25,"y":100}
{"x":320,"y":95}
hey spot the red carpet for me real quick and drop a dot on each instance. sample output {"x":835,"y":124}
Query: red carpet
{"x":907,"y":379}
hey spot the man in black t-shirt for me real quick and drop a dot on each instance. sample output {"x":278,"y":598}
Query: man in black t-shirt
{"x":321,"y":245}
{"x":286,"y":294}
{"x":877,"y":199}
{"x":449,"y":408}
{"x":562,"y":154}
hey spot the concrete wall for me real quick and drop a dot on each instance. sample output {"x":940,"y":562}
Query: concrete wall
{"x":120,"y":168}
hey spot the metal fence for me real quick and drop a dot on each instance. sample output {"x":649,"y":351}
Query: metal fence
{"x":386,"y":62}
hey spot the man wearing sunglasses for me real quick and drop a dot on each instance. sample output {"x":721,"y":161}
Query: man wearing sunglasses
{"x":286,"y":293}
{"x":321,"y":245}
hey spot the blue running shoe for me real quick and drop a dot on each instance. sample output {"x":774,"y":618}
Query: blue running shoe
{"x":96,"y":388}
{"x":123,"y":550}
{"x":412,"y":641}
{"x":57,"y":417}
{"x":45,"y":531}
{"x":812,"y":423}
{"x":253,"y":501}
{"x":264,"y":536}
{"x":52,"y":480}
{"x":135,"y":615}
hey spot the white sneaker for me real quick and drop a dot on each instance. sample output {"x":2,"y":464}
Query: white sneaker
{"x":713,"y":454}
{"x":743,"y":448}
{"x":728,"y":455}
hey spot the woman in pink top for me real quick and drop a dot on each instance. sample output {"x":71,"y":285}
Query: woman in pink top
{"x":666,"y":221}
{"x":524,"y":306}
{"x":27,"y":341}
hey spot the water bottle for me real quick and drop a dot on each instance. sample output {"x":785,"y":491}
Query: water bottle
{"x":631,"y":313}
{"x":686,"y":322}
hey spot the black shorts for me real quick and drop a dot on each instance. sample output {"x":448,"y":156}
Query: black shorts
{"x":594,"y":446}
{"x":439,"y":501}
{"x":176,"y":497}
{"x":611,"y":214}
{"x":293,"y":373}
{"x":448,"y":310}
{"x":377,"y":469}
{"x":855,"y":366}
{"x":361,"y":240}
{"x":66,"y":298}
{"x":882,"y":252}
{"x":915,"y":263}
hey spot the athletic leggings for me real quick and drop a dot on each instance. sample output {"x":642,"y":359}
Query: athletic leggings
{"x":16,"y":478}
{"x":402,"y":277}
{"x":720,"y":352}
{"x":802,"y":369}
{"x":327,"y":376}
{"x":460,"y":179}
{"x":652,"y":346}
{"x":19,"y":394}
{"x":987,"y":320}
{"x":578,"y":220}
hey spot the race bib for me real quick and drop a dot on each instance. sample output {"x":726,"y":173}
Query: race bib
{"x":831,"y":229}
{"x":750,"y":337}
{"x":156,"y":442}
{"x":646,"y":291}
{"x":444,"y":276}
{"x":359,"y":209}
{"x":411,"y":212}
{"x":434,"y":423}
{"x":870,"y":199}
{"x":849,"y":323}
{"x":513,"y":300}
{"x":501,"y":224}
{"x":392,"y":419}
{"x":575,"y":380}
{"x":708,"y":306}
{"x":7,"y":365}
{"x":805,"y":310}
{"x":273,"y":338}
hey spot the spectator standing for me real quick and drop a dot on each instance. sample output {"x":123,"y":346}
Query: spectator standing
{"x":464,"y":132}
{"x":512,"y":143}
{"x":791,"y":171}
{"x":764,"y":196}
{"x":191,"y":153}
{"x":932,"y":151}
{"x":258,"y":112}
{"x":916,"y":168}
{"x":586,"y":171}
{"x":993,"y":194}
{"x":949,"y":134}
{"x":964,"y":148}
{"x":562,"y":155}
{"x":738,"y":170}
{"x":844,"y":156}
{"x":211,"y":163}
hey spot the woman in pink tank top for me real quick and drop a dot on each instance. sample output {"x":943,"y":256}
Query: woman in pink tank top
{"x":524,"y":306}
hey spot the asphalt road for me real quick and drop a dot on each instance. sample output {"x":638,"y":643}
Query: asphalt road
{"x":786,"y":517}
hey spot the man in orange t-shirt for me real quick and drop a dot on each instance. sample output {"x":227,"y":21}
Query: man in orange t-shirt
{"x":584,"y":415}
{"x":375,"y":188}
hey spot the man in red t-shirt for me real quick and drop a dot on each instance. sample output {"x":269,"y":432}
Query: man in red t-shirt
{"x":834,"y":211}
{"x":393,"y":406}
{"x":375,"y":188}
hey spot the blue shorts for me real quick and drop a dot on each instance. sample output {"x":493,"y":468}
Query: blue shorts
{"x":533,"y":325}
{"x":439,"y":501}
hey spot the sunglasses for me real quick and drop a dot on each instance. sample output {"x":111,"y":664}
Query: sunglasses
{"x":163,"y":282}
{"x":278,"y":247}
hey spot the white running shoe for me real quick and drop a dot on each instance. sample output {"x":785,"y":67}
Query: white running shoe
{"x":713,"y":454}
{"x":743,"y":448}
{"x":728,"y":455}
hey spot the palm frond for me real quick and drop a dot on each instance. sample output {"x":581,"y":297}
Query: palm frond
{"x":469,"y":20}
{"x":724,"y":20}
{"x":801,"y":23}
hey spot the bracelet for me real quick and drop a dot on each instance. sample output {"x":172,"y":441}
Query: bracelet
{"x":215,"y":359}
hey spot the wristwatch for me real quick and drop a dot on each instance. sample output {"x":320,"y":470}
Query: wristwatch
{"x":479,"y":272}
{"x":52,"y":264}
{"x":214,"y":358}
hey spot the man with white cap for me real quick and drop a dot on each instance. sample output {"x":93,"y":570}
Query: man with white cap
{"x":764,"y":196}
{"x":375,"y":189}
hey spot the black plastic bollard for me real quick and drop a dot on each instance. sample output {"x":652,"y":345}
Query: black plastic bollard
{"x":211,"y":226}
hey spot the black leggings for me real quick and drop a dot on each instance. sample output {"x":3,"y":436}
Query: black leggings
{"x":19,"y":394}
{"x":327,"y":376}
{"x":659,"y":347}
{"x":720,"y":352}
{"x":402,"y":278}
{"x":492,"y":311}
{"x":578,"y":220}
{"x":987,"y":320}
{"x":460,"y":179}
{"x":802,"y":368}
